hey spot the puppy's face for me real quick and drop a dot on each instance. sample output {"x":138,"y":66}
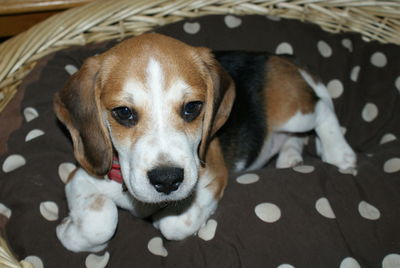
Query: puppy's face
{"x":155,"y":100}
{"x":155,"y":119}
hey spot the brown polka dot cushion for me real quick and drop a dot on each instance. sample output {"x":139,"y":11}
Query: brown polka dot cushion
{"x":309,"y":216}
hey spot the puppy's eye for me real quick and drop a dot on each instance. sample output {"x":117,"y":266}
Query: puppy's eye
{"x":125,"y":116}
{"x":191,"y":110}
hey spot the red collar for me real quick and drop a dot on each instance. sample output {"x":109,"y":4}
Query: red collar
{"x":115,"y":172}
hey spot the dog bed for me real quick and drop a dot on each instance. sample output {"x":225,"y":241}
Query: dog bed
{"x":309,"y":216}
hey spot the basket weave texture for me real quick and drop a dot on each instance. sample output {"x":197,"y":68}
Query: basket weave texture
{"x":103,"y":20}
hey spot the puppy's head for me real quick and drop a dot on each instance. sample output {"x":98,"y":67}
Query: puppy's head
{"x":156,"y":102}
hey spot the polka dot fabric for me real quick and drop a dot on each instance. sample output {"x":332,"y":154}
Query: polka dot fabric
{"x":308,"y":216}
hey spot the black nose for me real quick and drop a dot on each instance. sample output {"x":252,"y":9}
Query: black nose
{"x":166,"y":179}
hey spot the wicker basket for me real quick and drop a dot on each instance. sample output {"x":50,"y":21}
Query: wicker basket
{"x":103,"y":20}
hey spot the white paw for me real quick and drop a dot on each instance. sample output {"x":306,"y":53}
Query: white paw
{"x":71,"y":237}
{"x":341,"y":156}
{"x":177,"y":227}
{"x":289,"y":158}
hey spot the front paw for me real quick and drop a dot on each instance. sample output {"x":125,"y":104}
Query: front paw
{"x":177,"y":227}
{"x":71,"y":237}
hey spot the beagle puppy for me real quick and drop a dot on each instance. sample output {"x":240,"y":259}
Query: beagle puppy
{"x":155,"y":121}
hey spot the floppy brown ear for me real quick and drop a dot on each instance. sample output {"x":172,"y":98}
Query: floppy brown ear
{"x":219,"y":99}
{"x":77,"y":105}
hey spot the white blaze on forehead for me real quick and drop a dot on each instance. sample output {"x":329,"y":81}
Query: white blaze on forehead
{"x":162,"y":105}
{"x":150,"y":91}
{"x":154,"y":76}
{"x":153,"y":93}
{"x":155,"y":83}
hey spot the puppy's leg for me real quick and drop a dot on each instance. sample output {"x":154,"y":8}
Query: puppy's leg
{"x":333,"y":147}
{"x":290,"y":152}
{"x":92,"y":219}
{"x":177,"y":225}
{"x":298,"y":103}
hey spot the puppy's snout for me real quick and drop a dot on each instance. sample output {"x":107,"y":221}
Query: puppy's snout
{"x":166,"y":179}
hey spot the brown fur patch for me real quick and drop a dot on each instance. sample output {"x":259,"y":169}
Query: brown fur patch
{"x":129,"y":60}
{"x":216,"y":166}
{"x":98,"y":203}
{"x":286,"y":92}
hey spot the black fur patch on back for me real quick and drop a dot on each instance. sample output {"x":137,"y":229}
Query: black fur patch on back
{"x":242,"y":136}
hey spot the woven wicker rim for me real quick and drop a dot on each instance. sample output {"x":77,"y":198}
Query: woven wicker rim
{"x":104,"y":20}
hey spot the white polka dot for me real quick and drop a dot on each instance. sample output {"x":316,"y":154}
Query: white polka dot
{"x":268,"y":212}
{"x":335,"y":88}
{"x":378,"y":59}
{"x":35,"y":261}
{"x":397,"y":83}
{"x":30,"y":113}
{"x":354,"y":73}
{"x":13,"y":162}
{"x":5,"y":211}
{"x":49,"y":210}
{"x":369,"y":112}
{"x":64,"y":170}
{"x":347,"y":44}
{"x":304,"y":169}
{"x":156,"y":247}
{"x":387,"y":138}
{"x":191,"y":27}
{"x":34,"y":134}
{"x":324,"y":208}
{"x":324,"y":49}
{"x":207,"y":232}
{"x":368,"y":211}
{"x":232,"y":21}
{"x":391,"y":261}
{"x":248,"y":178}
{"x":284,"y":48}
{"x":349,"y":262}
{"x":392,"y":165}
{"x":285,"y":265}
{"x":96,"y":261}
{"x":71,"y":69}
